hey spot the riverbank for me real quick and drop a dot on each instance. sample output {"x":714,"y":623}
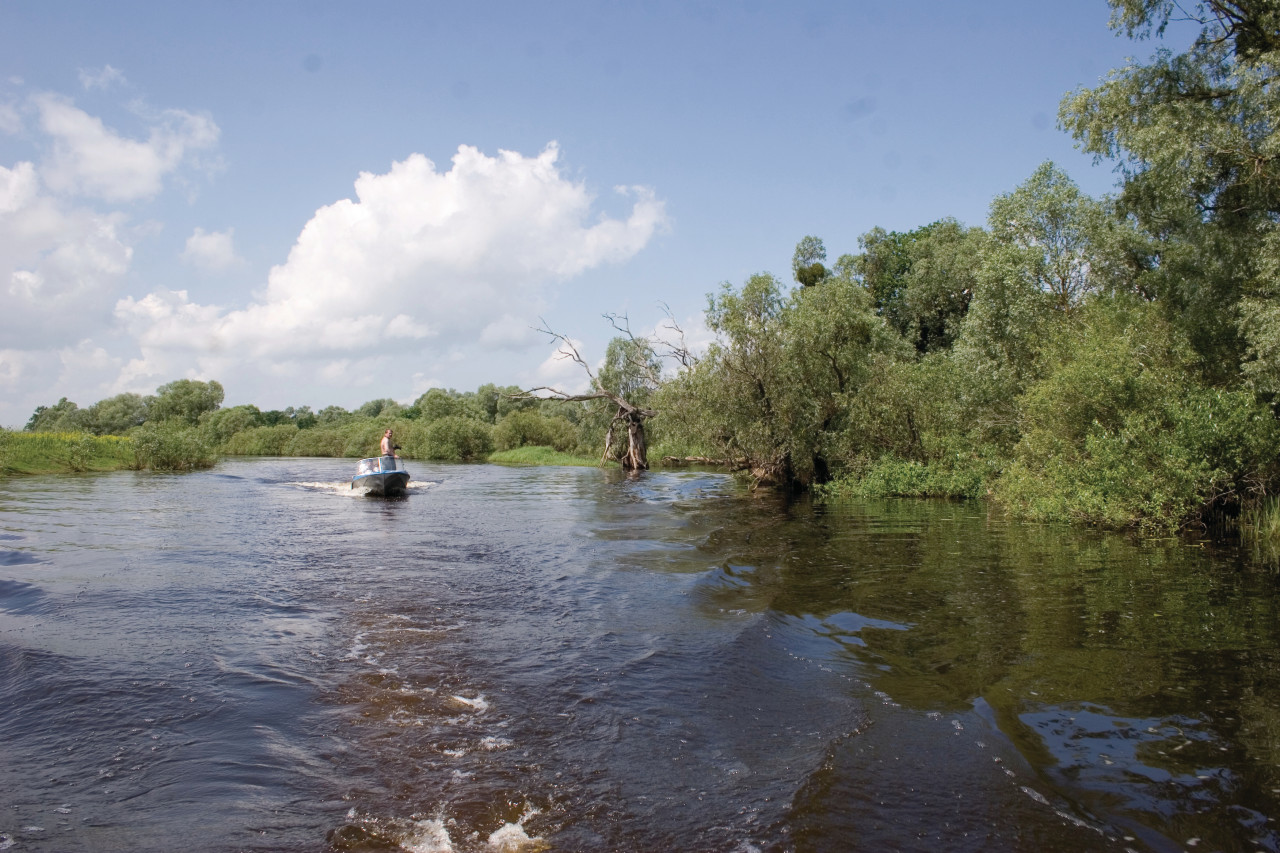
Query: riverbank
{"x":33,"y":453}
{"x":64,"y":453}
{"x":542,"y":456}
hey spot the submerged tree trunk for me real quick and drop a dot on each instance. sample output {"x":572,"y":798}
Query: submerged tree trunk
{"x":636,"y":455}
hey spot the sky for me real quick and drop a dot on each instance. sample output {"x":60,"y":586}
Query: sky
{"x":328,"y":203}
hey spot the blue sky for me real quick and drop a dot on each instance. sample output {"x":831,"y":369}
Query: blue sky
{"x":327,"y":203}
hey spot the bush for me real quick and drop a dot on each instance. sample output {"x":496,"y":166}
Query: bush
{"x":891,"y":476}
{"x":458,"y":439}
{"x":172,"y":446}
{"x":532,"y":429}
{"x":1120,"y":434}
{"x":262,"y":441}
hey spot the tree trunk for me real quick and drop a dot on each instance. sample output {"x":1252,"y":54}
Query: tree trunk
{"x":636,"y":455}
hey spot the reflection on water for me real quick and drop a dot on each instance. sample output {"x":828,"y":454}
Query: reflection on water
{"x":568,"y":659}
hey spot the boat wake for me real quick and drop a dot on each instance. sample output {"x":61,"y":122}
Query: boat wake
{"x":343,"y":488}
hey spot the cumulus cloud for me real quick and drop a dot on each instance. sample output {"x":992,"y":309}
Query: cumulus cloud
{"x":58,"y":263}
{"x":418,"y":255}
{"x":211,"y":250}
{"x":63,"y":262}
{"x":92,"y":160}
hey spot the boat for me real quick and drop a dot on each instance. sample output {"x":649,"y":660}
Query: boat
{"x":381,"y":476}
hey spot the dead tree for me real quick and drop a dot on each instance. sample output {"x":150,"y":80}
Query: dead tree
{"x":628,"y":417}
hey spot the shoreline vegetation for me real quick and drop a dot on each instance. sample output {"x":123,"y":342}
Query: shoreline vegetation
{"x":1110,"y":362}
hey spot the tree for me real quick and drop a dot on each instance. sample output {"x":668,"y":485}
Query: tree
{"x":56,"y":418}
{"x":806,"y":263}
{"x":627,"y":380}
{"x":185,"y":400}
{"x":1194,"y":138}
{"x":1060,"y":233}
{"x":384,"y":407}
{"x":117,"y":415}
{"x":771,"y":396}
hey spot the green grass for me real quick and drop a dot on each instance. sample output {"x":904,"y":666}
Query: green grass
{"x":63,"y":453}
{"x":540,"y":456}
{"x":1260,"y":528}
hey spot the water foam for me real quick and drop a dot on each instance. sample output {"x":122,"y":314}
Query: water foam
{"x":428,"y":836}
{"x":511,"y":838}
{"x":479,"y":703}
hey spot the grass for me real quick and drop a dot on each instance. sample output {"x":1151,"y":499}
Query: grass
{"x":1260,"y":527}
{"x":63,"y":453}
{"x":540,"y":456}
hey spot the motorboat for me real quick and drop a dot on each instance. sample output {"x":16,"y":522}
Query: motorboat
{"x":381,"y":476}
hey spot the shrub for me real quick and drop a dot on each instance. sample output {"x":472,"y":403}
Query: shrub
{"x":524,"y":429}
{"x":1119,"y":433}
{"x":172,"y":446}
{"x":458,"y":439}
{"x":262,"y":441}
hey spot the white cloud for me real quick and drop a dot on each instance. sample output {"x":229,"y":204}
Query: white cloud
{"x":561,"y":372}
{"x":90,"y":159}
{"x":58,"y":264}
{"x":103,"y":78}
{"x":63,"y":264}
{"x":418,"y":255}
{"x":211,"y":250}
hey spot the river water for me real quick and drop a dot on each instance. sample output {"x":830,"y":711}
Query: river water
{"x":250,"y":658}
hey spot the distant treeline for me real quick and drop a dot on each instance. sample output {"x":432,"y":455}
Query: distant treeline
{"x":185,"y":426}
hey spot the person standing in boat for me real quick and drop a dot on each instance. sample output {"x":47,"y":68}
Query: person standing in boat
{"x":388,"y":444}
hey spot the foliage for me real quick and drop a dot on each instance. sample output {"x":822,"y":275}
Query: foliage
{"x":806,"y":264}
{"x":185,"y":400}
{"x":458,"y":439}
{"x":893,"y":476}
{"x":262,"y":441}
{"x":438,"y":403}
{"x":772,"y":394}
{"x":1194,"y":135}
{"x":51,"y":453}
{"x":921,"y":280}
{"x":1116,"y":434}
{"x":172,"y":446}
{"x":117,"y":415}
{"x":540,"y":455}
{"x":520,"y":429}
{"x":58,"y":417}
{"x":385,"y":407}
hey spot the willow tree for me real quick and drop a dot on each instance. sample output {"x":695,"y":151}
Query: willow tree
{"x":773,"y":394}
{"x":1194,"y":137}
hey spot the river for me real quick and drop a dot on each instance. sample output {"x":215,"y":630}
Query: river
{"x":564,"y":659}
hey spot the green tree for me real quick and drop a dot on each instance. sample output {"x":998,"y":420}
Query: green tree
{"x":1194,"y":137}
{"x":772,"y":394}
{"x":438,"y":403}
{"x":185,"y":400}
{"x":222,"y":424}
{"x":1062,"y":235}
{"x":385,"y":407}
{"x":117,"y":415}
{"x":60,"y":417}
{"x":332,"y":415}
{"x":806,"y":263}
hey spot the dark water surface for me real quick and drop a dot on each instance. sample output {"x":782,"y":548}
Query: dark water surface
{"x":566,"y":659}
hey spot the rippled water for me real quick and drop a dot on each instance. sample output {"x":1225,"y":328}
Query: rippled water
{"x":566,"y":659}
